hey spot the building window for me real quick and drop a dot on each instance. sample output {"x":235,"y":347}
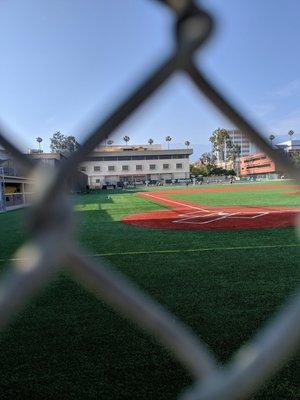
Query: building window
{"x":96,"y":168}
{"x":180,"y":156}
{"x":124,"y":158}
{"x":138,"y":157}
{"x":83,"y":169}
{"x":97,"y":180}
{"x":165,"y":166}
{"x":110,"y":158}
{"x":138,"y":167}
{"x":125,"y":167}
{"x":97,"y":158}
{"x":152,"y":166}
{"x":111,"y":168}
{"x":179,"y":166}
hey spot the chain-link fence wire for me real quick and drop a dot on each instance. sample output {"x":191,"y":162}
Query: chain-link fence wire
{"x":52,"y":244}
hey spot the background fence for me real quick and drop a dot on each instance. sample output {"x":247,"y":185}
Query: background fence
{"x":51,"y":240}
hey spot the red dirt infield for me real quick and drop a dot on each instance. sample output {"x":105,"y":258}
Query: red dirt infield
{"x":185,"y":215}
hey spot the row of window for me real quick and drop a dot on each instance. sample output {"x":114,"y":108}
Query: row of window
{"x":138,"y":167}
{"x":252,"y":159}
{"x":141,"y":157}
{"x":258,"y":166}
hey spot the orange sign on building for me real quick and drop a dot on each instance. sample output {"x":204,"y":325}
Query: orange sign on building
{"x":255,"y":164}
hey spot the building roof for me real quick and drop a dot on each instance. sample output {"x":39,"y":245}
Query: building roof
{"x":136,"y":147}
{"x":139,"y":152}
{"x":293,"y":143}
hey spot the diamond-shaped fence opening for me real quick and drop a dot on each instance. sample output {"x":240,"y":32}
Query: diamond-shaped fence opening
{"x":51,"y":242}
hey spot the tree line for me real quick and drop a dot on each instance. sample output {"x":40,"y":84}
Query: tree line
{"x":227,"y":152}
{"x":60,"y":143}
{"x":210,"y":170}
{"x":223,"y":151}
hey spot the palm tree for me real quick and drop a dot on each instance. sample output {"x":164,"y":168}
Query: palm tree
{"x":233,"y":156}
{"x":168,"y":140}
{"x":290,"y":133}
{"x":110,"y":142}
{"x":126,"y":139}
{"x":39,"y":140}
{"x":220,"y":140}
{"x":187,"y":143}
{"x":271,"y":137}
{"x":150,"y":141}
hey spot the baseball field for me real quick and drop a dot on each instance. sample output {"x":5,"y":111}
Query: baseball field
{"x":222,"y":258}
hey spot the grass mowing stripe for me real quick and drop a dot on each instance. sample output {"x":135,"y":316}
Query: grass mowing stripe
{"x":165,"y":251}
{"x":196,"y":250}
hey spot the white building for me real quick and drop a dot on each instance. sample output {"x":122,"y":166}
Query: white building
{"x":247,"y":147}
{"x":237,"y":138}
{"x":289,"y":146}
{"x":114,"y":164}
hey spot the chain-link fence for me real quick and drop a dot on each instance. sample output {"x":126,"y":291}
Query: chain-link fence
{"x":52,"y":243}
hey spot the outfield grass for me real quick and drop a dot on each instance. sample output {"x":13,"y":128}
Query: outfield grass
{"x":66,"y":344}
{"x":271,"y":197}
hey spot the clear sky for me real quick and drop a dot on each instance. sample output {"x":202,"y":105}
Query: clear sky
{"x":65,"y":63}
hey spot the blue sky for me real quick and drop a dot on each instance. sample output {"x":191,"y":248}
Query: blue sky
{"x":64,"y":64}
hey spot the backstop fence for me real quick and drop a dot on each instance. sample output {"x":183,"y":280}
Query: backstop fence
{"x":51,"y":243}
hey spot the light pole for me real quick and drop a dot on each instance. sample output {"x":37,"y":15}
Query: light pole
{"x":126,"y":139}
{"x":290,"y":133}
{"x":168,"y":140}
{"x":39,"y":140}
{"x":271,"y":137}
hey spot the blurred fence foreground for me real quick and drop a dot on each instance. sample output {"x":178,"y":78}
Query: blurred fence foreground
{"x":51,"y":230}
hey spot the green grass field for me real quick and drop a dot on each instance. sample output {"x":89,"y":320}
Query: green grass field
{"x":271,"y":197}
{"x":67,"y":344}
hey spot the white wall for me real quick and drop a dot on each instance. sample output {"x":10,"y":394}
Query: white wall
{"x":104,"y":174}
